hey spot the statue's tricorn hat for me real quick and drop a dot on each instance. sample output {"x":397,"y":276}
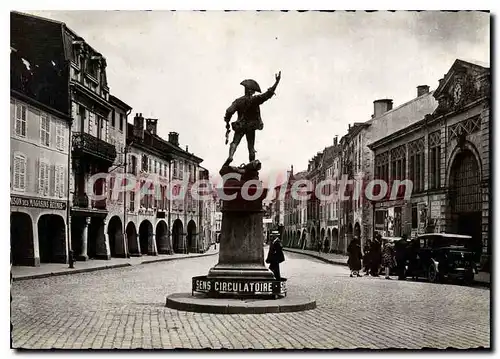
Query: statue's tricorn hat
{"x":251,"y":84}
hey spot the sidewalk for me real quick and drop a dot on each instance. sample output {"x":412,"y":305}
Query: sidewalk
{"x":56,"y":269}
{"x":482,"y":278}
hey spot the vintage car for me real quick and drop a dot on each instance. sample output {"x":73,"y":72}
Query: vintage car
{"x":440,"y":256}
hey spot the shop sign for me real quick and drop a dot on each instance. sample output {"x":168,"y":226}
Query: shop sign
{"x":34,"y":202}
{"x":435,"y":209}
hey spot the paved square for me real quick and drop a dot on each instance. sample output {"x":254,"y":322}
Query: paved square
{"x":124,"y":308}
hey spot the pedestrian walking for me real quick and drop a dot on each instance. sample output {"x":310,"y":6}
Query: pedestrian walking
{"x":275,"y":256}
{"x":401,"y":255}
{"x":412,"y":252}
{"x":388,"y":258}
{"x":366,"y":257}
{"x":355,"y":255}
{"x":375,"y":255}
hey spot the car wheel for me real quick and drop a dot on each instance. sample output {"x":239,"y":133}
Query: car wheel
{"x":432,"y":274}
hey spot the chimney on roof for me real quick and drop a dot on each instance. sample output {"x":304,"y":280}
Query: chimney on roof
{"x":139,"y":126}
{"x":173,"y":138}
{"x":381,"y":106}
{"x":187,"y":148}
{"x":151,"y":125}
{"x":335,"y":140}
{"x":422,"y":90}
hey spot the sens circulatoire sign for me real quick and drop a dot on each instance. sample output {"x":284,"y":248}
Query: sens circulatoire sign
{"x":205,"y":285}
{"x":37,"y":203}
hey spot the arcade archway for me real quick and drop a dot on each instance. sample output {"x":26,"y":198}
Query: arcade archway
{"x":162,"y":238}
{"x":177,"y":234}
{"x":357,"y":231}
{"x":335,"y":239}
{"x":21,"y":240}
{"x":131,"y":231}
{"x":146,"y":237}
{"x":51,"y":239}
{"x":192,"y":240}
{"x":115,"y":236}
{"x":465,"y":199}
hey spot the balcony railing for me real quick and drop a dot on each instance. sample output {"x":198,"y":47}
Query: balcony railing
{"x":83,"y":202}
{"x":85,"y":143}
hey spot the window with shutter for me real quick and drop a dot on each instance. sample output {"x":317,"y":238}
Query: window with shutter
{"x":57,"y":181}
{"x":20,"y":124}
{"x":62,"y":178}
{"x":17,"y":169}
{"x":43,"y":177}
{"x":44,"y":129}
{"x":60,"y":136}
{"x":19,"y":172}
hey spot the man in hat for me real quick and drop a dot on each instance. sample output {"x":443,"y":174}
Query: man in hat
{"x":249,"y":120}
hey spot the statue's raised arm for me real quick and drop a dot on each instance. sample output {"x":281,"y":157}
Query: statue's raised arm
{"x":249,"y":119}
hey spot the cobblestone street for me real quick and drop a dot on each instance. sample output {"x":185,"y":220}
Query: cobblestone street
{"x":125,"y":308}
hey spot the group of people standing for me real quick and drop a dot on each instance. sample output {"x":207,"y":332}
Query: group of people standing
{"x":378,"y":255}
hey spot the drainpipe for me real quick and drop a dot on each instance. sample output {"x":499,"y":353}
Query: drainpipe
{"x":69,"y":172}
{"x":169,"y":192}
{"x":127,"y":254}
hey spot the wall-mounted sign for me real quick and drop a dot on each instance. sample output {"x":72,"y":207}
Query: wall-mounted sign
{"x":435,"y":209}
{"x":34,"y":202}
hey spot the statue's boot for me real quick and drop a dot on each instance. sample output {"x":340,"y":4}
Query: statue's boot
{"x":251,"y":155}
{"x":232,"y":150}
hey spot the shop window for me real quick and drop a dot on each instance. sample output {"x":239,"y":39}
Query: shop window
{"x":414,"y":217}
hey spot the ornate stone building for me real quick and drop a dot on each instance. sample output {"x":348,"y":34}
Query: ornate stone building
{"x":161,"y":218}
{"x":447,"y":156}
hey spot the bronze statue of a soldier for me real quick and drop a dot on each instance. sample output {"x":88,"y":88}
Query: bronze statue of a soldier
{"x":249,"y":120}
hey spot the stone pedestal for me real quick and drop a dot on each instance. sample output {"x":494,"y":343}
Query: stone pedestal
{"x":241,"y":253}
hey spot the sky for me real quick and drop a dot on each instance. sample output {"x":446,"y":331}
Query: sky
{"x":185,"y":69}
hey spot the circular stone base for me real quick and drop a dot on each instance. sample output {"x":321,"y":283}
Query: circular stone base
{"x":200,"y":303}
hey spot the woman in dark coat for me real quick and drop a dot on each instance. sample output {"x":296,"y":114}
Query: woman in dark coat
{"x":354,"y":261}
{"x":388,"y":258}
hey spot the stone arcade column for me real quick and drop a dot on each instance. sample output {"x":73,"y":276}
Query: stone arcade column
{"x":153,"y":249}
{"x":241,"y":252}
{"x":83,"y":255}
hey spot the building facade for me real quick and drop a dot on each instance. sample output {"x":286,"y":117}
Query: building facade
{"x":447,"y":157}
{"x":329,"y":220}
{"x":295,"y":216}
{"x":115,"y":203}
{"x":93,"y":151}
{"x":70,"y":141}
{"x":218,"y":219}
{"x":313,"y":216}
{"x":39,"y":142}
{"x":161,"y":219}
{"x":207,"y":207}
